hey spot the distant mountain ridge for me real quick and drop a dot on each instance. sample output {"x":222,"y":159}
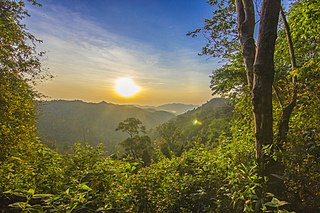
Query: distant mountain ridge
{"x":175,"y":108}
{"x":61,"y":123}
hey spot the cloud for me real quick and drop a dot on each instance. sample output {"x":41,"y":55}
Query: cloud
{"x":84,"y":55}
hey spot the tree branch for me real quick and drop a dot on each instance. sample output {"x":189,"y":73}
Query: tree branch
{"x":287,"y":111}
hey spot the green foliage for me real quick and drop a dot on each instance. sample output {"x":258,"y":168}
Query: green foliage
{"x":19,"y":68}
{"x":203,"y":125}
{"x":230,"y":80}
{"x":26,"y":206}
{"x":202,"y":179}
{"x":17,"y":60}
{"x":220,"y":31}
{"x":136,"y":146}
{"x":170,"y":139}
{"x":301,"y":150}
{"x":18,"y":55}
{"x":17,"y":116}
{"x":131,"y":126}
{"x":205,"y":121}
{"x":183,"y":184}
{"x":41,"y":169}
{"x":22,"y":157}
{"x":302,"y":156}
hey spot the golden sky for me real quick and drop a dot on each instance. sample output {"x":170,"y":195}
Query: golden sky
{"x":87,"y":52}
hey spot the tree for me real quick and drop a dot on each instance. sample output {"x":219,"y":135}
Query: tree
{"x":303,"y":54}
{"x":171,"y":139}
{"x":136,"y":145}
{"x":259,"y":63}
{"x":20,"y":66}
{"x":24,"y":162}
{"x":258,"y":57}
{"x":295,"y":76}
{"x":18,"y":54}
{"x":300,"y":144}
{"x":131,"y":126}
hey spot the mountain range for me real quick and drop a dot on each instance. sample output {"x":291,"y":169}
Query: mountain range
{"x":61,"y":123}
{"x":175,"y":108}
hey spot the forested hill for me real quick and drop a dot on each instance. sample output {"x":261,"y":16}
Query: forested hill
{"x":206,"y":122}
{"x":61,"y":123}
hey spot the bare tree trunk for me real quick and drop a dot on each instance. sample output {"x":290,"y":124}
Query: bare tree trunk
{"x":263,"y":76}
{"x":259,"y":65}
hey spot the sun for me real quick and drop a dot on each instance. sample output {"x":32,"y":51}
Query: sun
{"x":126,"y":87}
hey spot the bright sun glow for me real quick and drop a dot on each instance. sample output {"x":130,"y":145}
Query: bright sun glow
{"x":126,"y":87}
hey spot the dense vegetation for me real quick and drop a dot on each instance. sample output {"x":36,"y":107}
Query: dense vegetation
{"x":203,"y":125}
{"x":186,"y":168}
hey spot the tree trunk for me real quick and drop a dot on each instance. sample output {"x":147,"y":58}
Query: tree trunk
{"x":263,"y":75}
{"x":259,"y":66}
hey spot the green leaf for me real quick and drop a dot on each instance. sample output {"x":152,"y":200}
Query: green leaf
{"x":85,"y":187}
{"x":21,"y":205}
{"x":30,"y":191}
{"x":16,"y":193}
{"x":282,"y":203}
{"x":41,"y":196}
{"x":270,"y":204}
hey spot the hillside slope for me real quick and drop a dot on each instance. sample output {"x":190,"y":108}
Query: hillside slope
{"x":61,"y":123}
{"x":203,"y":124}
{"x":206,"y":121}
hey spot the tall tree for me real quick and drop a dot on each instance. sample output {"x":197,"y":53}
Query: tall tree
{"x":131,"y":126}
{"x":20,"y":65}
{"x":136,"y":145}
{"x":258,"y":56}
{"x":263,"y":74}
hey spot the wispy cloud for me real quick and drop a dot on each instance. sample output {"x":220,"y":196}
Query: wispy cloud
{"x":87,"y":58}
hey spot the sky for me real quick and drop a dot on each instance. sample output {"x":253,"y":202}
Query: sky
{"x":90,"y":44}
